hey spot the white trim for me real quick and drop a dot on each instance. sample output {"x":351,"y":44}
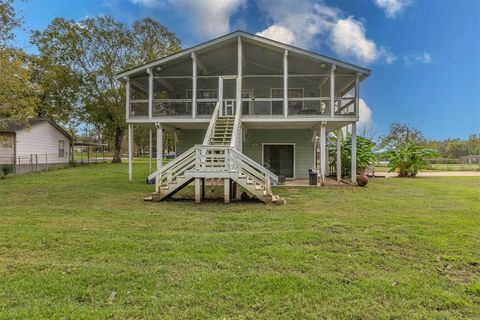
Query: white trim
{"x":250,"y":36}
{"x":281,"y":144}
{"x":194,"y":85}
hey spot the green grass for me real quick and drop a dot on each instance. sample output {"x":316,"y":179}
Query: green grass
{"x":80,"y":243}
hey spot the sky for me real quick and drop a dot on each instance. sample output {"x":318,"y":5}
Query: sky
{"x":424,"y":55}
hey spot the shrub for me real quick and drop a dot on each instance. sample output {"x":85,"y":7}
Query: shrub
{"x":365,"y":155}
{"x":408,"y":158}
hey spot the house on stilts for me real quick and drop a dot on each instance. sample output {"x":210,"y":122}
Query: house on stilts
{"x":244,"y":109}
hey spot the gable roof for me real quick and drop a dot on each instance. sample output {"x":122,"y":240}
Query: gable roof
{"x":11,"y":127}
{"x":246,"y":35}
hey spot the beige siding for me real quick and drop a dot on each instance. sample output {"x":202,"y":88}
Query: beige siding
{"x":301,"y":138}
{"x":42,"y":139}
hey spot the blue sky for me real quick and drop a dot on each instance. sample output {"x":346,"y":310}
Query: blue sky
{"x":424,"y":55}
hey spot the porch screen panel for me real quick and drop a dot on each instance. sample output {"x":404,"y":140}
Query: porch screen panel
{"x":170,"y":96}
{"x":307,"y":95}
{"x":259,"y":92}
{"x":207,"y":95}
{"x":344,"y":94}
{"x":139,"y":96}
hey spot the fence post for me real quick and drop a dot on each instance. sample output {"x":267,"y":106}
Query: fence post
{"x":46,"y":161}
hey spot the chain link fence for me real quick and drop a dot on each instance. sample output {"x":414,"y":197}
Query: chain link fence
{"x":33,"y":162}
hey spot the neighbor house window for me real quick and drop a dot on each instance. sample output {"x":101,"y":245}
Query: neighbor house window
{"x":61,"y":148}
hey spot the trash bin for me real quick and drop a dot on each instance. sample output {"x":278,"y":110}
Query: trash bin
{"x":312,"y":177}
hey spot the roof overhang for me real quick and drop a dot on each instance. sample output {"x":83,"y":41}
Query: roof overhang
{"x":354,"y":68}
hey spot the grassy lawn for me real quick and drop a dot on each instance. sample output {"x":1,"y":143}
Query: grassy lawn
{"x":80,"y":243}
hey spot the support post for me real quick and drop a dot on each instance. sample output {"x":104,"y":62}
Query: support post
{"x":159,"y":145}
{"x":327,"y":165}
{"x":332,"y":90}
{"x":354,"y":153}
{"x":285,"y":83}
{"x":220,"y":94}
{"x":197,"y":190}
{"x":150,"y":152}
{"x":239,"y":74}
{"x":130,"y":151}
{"x":194,"y":85}
{"x":339,"y":155}
{"x":226,"y":187}
{"x":150,"y":92}
{"x":357,"y":94}
{"x":127,"y":97}
{"x":322,"y":151}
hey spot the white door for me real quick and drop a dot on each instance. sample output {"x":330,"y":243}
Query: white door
{"x":227,"y":93}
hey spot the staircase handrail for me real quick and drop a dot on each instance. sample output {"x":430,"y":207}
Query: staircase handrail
{"x":236,"y":127}
{"x":171,"y":164}
{"x":211,"y":125}
{"x":254,"y":164}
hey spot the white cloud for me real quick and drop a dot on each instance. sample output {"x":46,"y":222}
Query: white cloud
{"x":310,"y":24}
{"x":393,"y":8}
{"x":278,"y":33}
{"x":210,"y":18}
{"x":423,"y":58}
{"x":150,"y":3}
{"x":365,"y":122}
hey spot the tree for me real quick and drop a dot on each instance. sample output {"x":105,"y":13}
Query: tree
{"x":408,"y":158}
{"x":398,"y":134}
{"x":365,"y":155}
{"x":91,"y":52}
{"x":18,"y":94}
{"x":9,"y":21}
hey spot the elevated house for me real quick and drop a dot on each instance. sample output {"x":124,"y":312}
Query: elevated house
{"x":245,"y":109}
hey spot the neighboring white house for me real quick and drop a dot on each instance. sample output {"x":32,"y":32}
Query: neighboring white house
{"x":245,"y":109}
{"x":44,"y":145}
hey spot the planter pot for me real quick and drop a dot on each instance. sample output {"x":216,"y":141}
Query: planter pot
{"x":362,"y":179}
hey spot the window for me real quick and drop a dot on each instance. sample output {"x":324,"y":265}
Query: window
{"x":61,"y":148}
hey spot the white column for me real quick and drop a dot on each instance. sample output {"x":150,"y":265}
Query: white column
{"x":198,"y":189}
{"x":285,"y":83}
{"x":220,"y":94}
{"x":332,"y":91}
{"x":239,"y":73}
{"x":194,"y":85}
{"x":150,"y":147}
{"x":150,"y":92}
{"x":159,"y":145}
{"x":127,"y":97}
{"x":354,"y":152}
{"x":327,"y":143}
{"x":339,"y":155}
{"x":130,"y":150}
{"x":322,"y":151}
{"x":357,"y":94}
{"x":226,"y":189}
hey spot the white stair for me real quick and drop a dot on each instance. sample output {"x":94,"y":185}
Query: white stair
{"x":217,"y":157}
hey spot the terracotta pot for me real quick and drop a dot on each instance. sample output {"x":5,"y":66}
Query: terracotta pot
{"x":362,"y":179}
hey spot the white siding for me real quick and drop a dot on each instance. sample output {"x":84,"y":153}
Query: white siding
{"x":42,"y":139}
